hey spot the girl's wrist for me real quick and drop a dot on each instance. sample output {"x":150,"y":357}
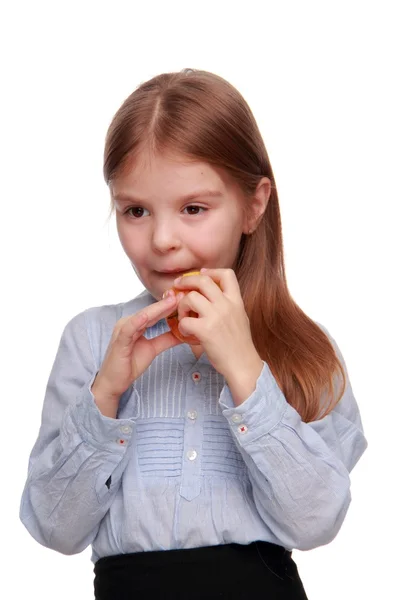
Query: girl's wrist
{"x":242,"y":380}
{"x":107,"y":403}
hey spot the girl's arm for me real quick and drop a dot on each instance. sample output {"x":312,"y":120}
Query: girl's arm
{"x":76,"y":464}
{"x":299,"y":471}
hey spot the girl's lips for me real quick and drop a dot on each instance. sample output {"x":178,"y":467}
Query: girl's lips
{"x":175,"y":273}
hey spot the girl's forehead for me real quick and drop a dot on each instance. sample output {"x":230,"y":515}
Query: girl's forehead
{"x":148,"y":165}
{"x":178,"y":176}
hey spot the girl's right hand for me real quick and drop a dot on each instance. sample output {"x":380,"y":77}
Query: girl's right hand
{"x":129,"y":354}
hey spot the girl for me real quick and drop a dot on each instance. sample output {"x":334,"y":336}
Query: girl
{"x":194,"y":470}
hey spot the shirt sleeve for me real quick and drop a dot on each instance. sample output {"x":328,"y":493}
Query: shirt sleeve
{"x":299,"y":471}
{"x":77,"y":462}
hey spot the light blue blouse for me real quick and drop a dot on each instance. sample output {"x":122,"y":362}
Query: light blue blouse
{"x":181,"y":466}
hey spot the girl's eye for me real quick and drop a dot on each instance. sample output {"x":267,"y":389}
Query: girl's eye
{"x":135,"y":209}
{"x":196,"y":208}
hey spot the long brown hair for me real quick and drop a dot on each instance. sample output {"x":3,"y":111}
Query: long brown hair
{"x":200,"y":115}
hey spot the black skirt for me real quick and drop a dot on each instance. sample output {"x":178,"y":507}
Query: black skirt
{"x":232,"y":572}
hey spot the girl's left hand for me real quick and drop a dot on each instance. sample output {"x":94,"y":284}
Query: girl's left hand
{"x":222,"y":327}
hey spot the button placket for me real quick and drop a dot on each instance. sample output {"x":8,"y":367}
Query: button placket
{"x":192,"y":442}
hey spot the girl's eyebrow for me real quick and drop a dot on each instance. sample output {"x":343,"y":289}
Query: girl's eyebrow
{"x":125,"y":198}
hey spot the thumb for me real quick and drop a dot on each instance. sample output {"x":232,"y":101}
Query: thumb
{"x":164,"y":342}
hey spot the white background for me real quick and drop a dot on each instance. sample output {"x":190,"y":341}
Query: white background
{"x":321,"y":78}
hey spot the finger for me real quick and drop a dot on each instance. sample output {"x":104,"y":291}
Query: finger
{"x":196,"y":302}
{"x":164,"y":341}
{"x":132,"y":329}
{"x":201,"y":283}
{"x":225,"y":278}
{"x":160,"y":310}
{"x":192,"y":326}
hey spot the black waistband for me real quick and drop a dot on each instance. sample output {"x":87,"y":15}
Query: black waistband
{"x":203,"y":555}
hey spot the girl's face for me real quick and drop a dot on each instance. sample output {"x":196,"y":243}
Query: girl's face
{"x":175,"y":215}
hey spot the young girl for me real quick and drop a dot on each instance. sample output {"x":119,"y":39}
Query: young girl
{"x":194,"y":469}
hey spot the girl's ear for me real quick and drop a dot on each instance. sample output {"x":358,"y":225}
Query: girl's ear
{"x":258,"y":204}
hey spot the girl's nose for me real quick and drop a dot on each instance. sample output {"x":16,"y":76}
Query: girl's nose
{"x":165,"y":238}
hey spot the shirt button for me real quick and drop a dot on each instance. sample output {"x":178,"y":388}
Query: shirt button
{"x":126,"y":429}
{"x":192,"y":414}
{"x":196,"y":377}
{"x":237,"y":418}
{"x":192,"y":454}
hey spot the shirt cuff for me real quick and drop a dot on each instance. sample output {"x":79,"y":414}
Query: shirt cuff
{"x":259,"y":413}
{"x":98,"y":430}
